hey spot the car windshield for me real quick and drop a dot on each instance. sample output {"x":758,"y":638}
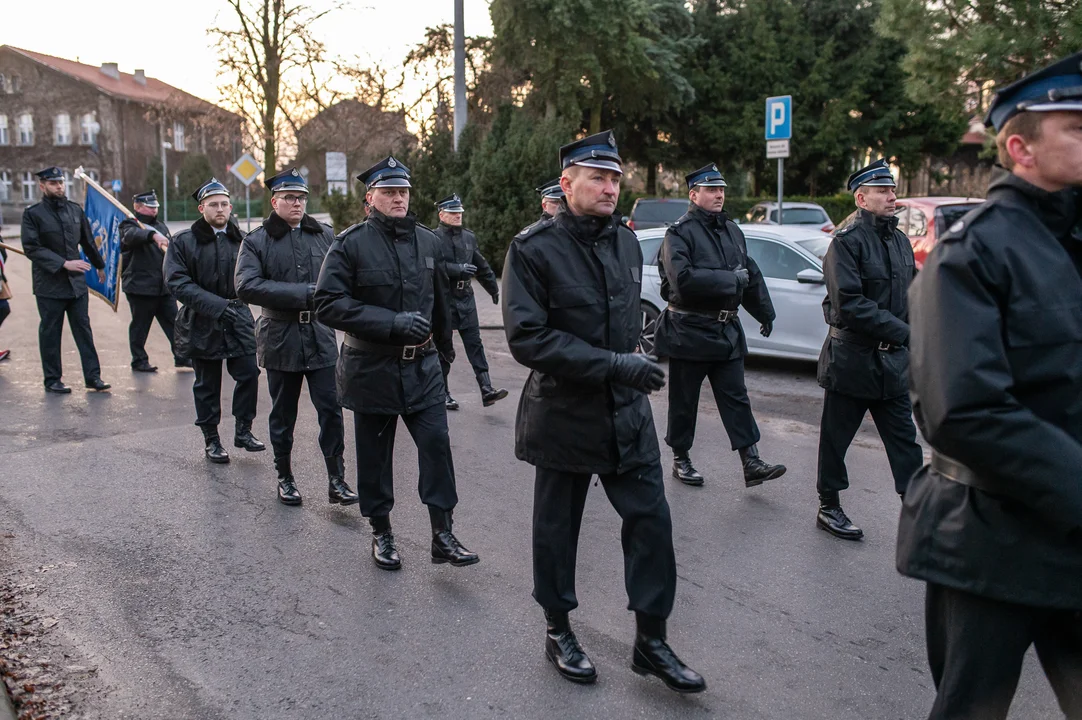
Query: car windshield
{"x":801,"y":216}
{"x":659,"y":211}
{"x":817,"y":246}
{"x":947,"y":215}
{"x":650,"y":247}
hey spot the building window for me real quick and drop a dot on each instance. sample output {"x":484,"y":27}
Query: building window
{"x":178,"y":137}
{"x":26,"y":129}
{"x":5,"y":186}
{"x":93,"y":175}
{"x":69,"y":183}
{"x":88,"y":129}
{"x":5,"y":138}
{"x":62,"y":129}
{"x":29,"y":185}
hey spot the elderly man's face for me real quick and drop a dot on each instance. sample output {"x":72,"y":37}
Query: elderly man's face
{"x":391,"y":201}
{"x":591,"y":191}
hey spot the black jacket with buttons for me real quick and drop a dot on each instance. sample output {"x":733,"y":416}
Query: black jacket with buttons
{"x":571,"y":288}
{"x":53,"y":231}
{"x":868,"y":268}
{"x":199,"y":268}
{"x":697,"y":263}
{"x":373,"y":271}
{"x":460,"y":248}
{"x":141,"y":259}
{"x":997,"y":386}
{"x":277,"y":268}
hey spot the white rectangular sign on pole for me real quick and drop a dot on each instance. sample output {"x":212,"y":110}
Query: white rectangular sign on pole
{"x":777,"y":149}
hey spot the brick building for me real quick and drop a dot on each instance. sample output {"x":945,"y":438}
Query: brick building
{"x":113,"y":124}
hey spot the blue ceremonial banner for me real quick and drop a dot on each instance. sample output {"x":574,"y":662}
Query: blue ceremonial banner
{"x":105,"y":218}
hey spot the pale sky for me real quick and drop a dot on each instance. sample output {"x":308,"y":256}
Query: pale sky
{"x":172,"y":44}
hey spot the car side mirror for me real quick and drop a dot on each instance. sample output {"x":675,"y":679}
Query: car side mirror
{"x":810,"y":277}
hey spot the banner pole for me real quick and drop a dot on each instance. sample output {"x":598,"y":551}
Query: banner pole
{"x":12,"y":249}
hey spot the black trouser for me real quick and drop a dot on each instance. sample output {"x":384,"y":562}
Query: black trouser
{"x":285,"y":392}
{"x":475,"y":352}
{"x":144,"y":310}
{"x":976,"y":646}
{"x":207,"y":389}
{"x":5,"y":310}
{"x":731,"y":395}
{"x":842,"y":416}
{"x":375,"y":452}
{"x":52,"y":311}
{"x":646,"y":536}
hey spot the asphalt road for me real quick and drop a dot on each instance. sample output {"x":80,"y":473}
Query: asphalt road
{"x":194,"y":594}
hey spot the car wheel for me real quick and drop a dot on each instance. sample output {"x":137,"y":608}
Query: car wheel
{"x":649,"y":325}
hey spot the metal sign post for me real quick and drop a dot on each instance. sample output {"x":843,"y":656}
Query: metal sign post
{"x":779,"y":130}
{"x":246,"y":169}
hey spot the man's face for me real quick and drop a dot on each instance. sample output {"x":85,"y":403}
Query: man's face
{"x":591,"y":191}
{"x":51,"y":188}
{"x":146,"y":210}
{"x":290,"y":205}
{"x":550,"y":206}
{"x":216,"y":210}
{"x":711,"y":199}
{"x":1054,"y":158}
{"x":450,"y":218}
{"x":391,"y":201}
{"x":877,"y":200}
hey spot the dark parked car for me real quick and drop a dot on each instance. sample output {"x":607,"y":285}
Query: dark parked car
{"x":649,"y":213}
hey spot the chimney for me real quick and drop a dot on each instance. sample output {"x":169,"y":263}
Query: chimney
{"x":141,"y":77}
{"x":111,"y":69}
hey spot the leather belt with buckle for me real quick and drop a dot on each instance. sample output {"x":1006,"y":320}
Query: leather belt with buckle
{"x":722,"y":316}
{"x":303,"y":316}
{"x":959,"y":473}
{"x":461,"y":284}
{"x":862,"y":339}
{"x":407,"y":353}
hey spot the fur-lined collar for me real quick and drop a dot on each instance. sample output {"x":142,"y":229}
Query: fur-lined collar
{"x":204,"y":233}
{"x":278,"y":228}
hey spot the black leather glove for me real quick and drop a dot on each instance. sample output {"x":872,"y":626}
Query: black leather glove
{"x":230,"y":316}
{"x":448,"y":355}
{"x":766,"y":328}
{"x":495,"y":298}
{"x":310,"y":301}
{"x":410,"y":328}
{"x":468,"y":270}
{"x":636,"y":371}
{"x":743,"y":278}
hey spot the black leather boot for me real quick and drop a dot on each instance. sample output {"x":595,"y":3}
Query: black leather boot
{"x":563,"y":650}
{"x":384,"y":552}
{"x":214,"y":450}
{"x":451,"y":403}
{"x":833,"y":519}
{"x":756,"y":472}
{"x":338,"y":492}
{"x":287,"y":488}
{"x":445,"y":546}
{"x":684,"y":471}
{"x":244,"y":438}
{"x":489,"y":396}
{"x":653,"y":656}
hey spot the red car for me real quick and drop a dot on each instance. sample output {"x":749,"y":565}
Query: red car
{"x":924,"y":219}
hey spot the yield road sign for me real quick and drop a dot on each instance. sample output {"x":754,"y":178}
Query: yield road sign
{"x":246,"y":169}
{"x":779,"y":117}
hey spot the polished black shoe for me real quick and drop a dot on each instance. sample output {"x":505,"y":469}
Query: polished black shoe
{"x":489,"y":395}
{"x":563,"y":650}
{"x":756,"y":472}
{"x":144,"y":367}
{"x":98,"y":385}
{"x":339,"y":493}
{"x":288,"y":494}
{"x":215,"y":452}
{"x":384,"y":552}
{"x":445,"y":546}
{"x":684,"y":471}
{"x":653,"y":656}
{"x":244,"y":439}
{"x":833,"y":519}
{"x":451,"y":403}
{"x":58,"y":387}
{"x":182,"y":363}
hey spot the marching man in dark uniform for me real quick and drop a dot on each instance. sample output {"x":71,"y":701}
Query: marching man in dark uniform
{"x":463,"y":261}
{"x":994,"y":524}
{"x":551,"y":194}
{"x":277,"y":269}
{"x":53,"y":230}
{"x":143,"y":241}
{"x":571,"y":312}
{"x":864,"y":360}
{"x":383,"y":284}
{"x":213,"y":324}
{"x":706,"y":275}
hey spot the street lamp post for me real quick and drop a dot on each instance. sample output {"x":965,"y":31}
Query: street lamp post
{"x":165,"y":184}
{"x":460,"y":72}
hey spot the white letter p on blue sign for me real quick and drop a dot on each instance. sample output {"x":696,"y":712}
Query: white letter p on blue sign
{"x":779,"y":118}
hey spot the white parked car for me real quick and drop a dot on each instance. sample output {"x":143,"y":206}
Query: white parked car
{"x":790,"y":258}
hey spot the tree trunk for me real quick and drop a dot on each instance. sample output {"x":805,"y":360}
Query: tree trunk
{"x":651,"y":179}
{"x":595,"y":116}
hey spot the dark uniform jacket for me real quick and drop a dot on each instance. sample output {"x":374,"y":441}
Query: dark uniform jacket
{"x":571,"y":288}
{"x":277,"y":268}
{"x":141,"y":258}
{"x":997,"y":386}
{"x":868,"y":268}
{"x":199,"y":269}
{"x":697,"y":265}
{"x":53,"y":230}
{"x":373,"y":271}
{"x":459,"y":248}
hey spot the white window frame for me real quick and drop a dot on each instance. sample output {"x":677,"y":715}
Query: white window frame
{"x":25,"y":129}
{"x":5,"y":136}
{"x":29,"y":185}
{"x":62,"y":129}
{"x":5,"y":186}
{"x":87,"y":136}
{"x":69,"y":183}
{"x":178,"y":137}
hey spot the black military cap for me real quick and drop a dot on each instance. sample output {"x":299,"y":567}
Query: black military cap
{"x":211,"y":187}
{"x":707,"y":176}
{"x":50,"y":173}
{"x":386,"y":173}
{"x":1053,"y":88}
{"x":596,"y":151}
{"x":287,"y":180}
{"x":451,"y":204}
{"x":148,"y":198}
{"x":877,"y":175}
{"x":551,"y":190}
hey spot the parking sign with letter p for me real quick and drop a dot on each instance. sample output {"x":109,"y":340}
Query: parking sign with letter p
{"x":779,"y":117}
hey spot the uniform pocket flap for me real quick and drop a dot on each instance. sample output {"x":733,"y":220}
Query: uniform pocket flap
{"x":574,"y":296}
{"x":1054,"y":326}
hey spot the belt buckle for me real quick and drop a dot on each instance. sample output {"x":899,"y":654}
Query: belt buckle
{"x":304,"y":316}
{"x":725,"y":316}
{"x":409,"y":352}
{"x":884,"y":347}
{"x":460,"y":285}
